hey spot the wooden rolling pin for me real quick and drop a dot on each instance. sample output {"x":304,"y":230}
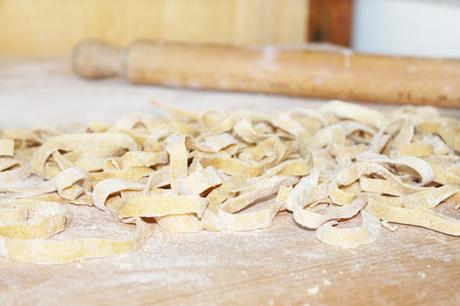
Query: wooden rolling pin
{"x":292,"y":72}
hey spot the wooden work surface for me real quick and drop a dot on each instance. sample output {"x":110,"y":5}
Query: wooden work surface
{"x":281,"y":265}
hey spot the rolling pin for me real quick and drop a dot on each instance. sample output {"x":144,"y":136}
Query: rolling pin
{"x":292,"y":72}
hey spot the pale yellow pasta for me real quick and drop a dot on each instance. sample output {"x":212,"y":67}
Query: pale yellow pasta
{"x":229,"y":171}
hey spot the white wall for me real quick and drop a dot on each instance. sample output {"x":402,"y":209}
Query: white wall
{"x":407,"y":27}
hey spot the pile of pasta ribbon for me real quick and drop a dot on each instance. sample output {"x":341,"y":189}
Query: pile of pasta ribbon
{"x":229,"y":171}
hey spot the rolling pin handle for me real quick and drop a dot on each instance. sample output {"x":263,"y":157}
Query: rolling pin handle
{"x":96,"y":60}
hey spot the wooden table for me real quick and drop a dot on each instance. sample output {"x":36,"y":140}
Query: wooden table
{"x":281,"y":265}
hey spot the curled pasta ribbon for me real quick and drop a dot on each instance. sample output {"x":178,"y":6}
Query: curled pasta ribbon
{"x":384,"y":135}
{"x":244,"y":129}
{"x":53,"y":251}
{"x":199,"y":181}
{"x":233,"y":216}
{"x":229,"y":171}
{"x":357,"y":113}
{"x":428,"y":198}
{"x":367,"y":233}
{"x":104,"y":189}
{"x":421,"y":167}
{"x":92,"y":148}
{"x":376,"y":185}
{"x":311,"y":219}
{"x":298,"y":195}
{"x":412,"y":215}
{"x":66,"y":181}
{"x":178,"y":169}
{"x":214,"y":143}
{"x":30,"y":219}
{"x":355,"y":172}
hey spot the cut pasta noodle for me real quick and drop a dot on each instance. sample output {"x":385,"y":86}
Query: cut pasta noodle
{"x":228,"y":171}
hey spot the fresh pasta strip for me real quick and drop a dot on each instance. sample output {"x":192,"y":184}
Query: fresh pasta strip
{"x":450,"y":134}
{"x":199,"y":181}
{"x":429,"y":198}
{"x":228,"y":171}
{"x":91,"y":146}
{"x":293,"y":167}
{"x":143,"y":159}
{"x":61,"y":161}
{"x":214,"y":143}
{"x":339,"y":196}
{"x":130,"y":174}
{"x":421,"y":167}
{"x":226,"y":164}
{"x":313,"y":219}
{"x":402,"y":138}
{"x":245,"y":130}
{"x":297,"y":196}
{"x":444,"y":175}
{"x":416,"y":149}
{"x":104,"y":189}
{"x":381,"y":139}
{"x":52,"y":251}
{"x":15,"y":171}
{"x":418,"y":216}
{"x":349,"y":175}
{"x":157,"y":205}
{"x":381,"y":186}
{"x":232,"y":219}
{"x":367,"y":233}
{"x":225,"y":191}
{"x":21,"y":135}
{"x":357,"y":113}
{"x":210,"y":221}
{"x":286,"y":123}
{"x":185,"y":223}
{"x":37,"y":219}
{"x":65,"y":181}
{"x":250,"y":220}
{"x":178,"y":156}
{"x":6,"y":147}
{"x":13,"y":214}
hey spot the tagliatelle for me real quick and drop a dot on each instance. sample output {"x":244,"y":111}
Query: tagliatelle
{"x":199,"y":181}
{"x":162,"y":205}
{"x":311,"y":219}
{"x":415,"y":216}
{"x":105,"y":188}
{"x":421,"y":167}
{"x":52,"y":251}
{"x":6,"y":147}
{"x":352,"y":236}
{"x":91,"y":148}
{"x":231,"y":212}
{"x":228,"y":171}
{"x":66,"y":180}
{"x":36,"y":219}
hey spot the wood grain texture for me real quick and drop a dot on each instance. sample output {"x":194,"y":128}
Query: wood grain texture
{"x":53,"y":27}
{"x":285,"y":71}
{"x":281,"y":265}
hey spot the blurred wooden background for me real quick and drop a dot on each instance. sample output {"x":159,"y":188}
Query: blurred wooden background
{"x":330,"y":21}
{"x":52,"y":27}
